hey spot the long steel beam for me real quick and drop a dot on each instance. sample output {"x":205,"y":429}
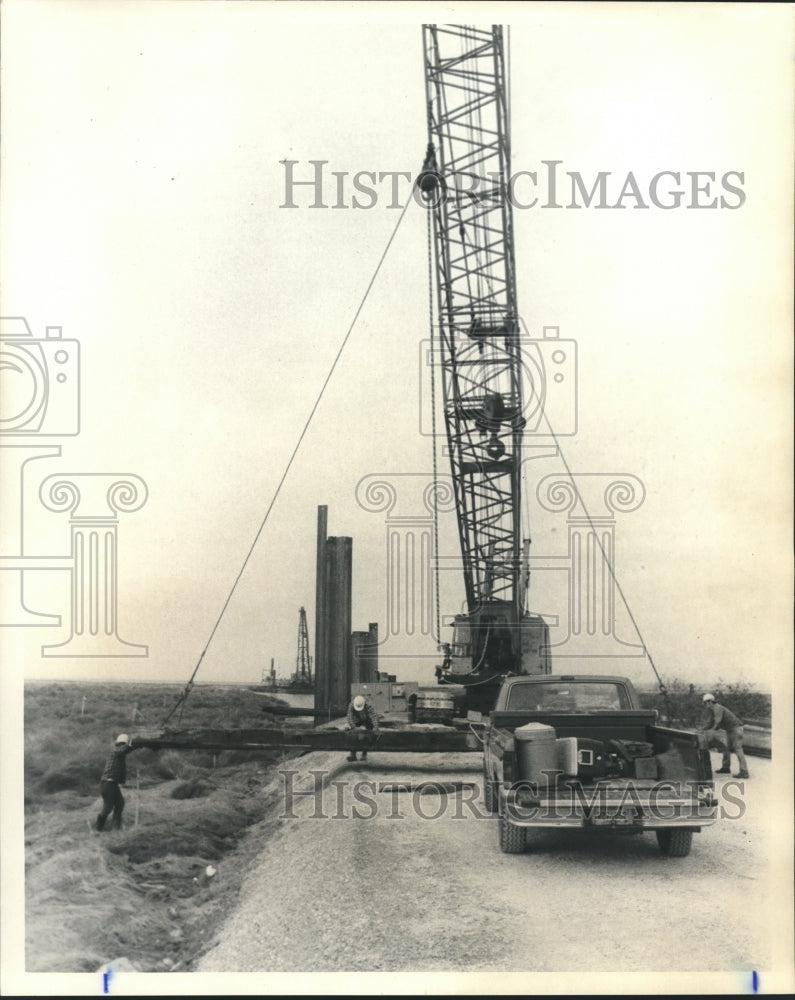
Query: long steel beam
{"x":418,"y":739}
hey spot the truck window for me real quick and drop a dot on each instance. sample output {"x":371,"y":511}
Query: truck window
{"x":572,"y":696}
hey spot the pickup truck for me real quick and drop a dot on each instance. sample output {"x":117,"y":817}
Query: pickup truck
{"x":579,"y":752}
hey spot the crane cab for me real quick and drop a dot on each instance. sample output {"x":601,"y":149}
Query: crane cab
{"x":490,"y":641}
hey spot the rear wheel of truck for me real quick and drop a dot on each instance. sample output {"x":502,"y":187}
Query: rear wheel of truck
{"x":675,"y":843}
{"x":513,"y":839}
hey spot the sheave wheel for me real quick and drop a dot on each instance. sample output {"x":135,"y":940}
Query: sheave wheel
{"x":675,"y":843}
{"x":513,"y":839}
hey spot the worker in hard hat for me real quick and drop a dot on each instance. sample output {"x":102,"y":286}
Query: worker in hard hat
{"x":361,"y":715}
{"x":716,"y":718}
{"x":113,"y":777}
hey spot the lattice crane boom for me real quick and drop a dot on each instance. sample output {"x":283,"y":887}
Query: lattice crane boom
{"x":465,"y":183}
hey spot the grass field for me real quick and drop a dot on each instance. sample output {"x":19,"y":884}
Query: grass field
{"x":141,"y":893}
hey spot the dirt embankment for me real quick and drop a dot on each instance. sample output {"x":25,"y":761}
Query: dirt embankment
{"x":154,"y":892}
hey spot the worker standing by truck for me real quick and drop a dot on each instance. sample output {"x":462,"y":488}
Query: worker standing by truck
{"x":718,"y":717}
{"x":361,"y":715}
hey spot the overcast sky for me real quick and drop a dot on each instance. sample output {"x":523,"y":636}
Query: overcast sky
{"x":142,"y":190}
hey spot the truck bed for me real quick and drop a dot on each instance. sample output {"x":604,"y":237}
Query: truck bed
{"x":580,"y":752}
{"x":676,"y":754}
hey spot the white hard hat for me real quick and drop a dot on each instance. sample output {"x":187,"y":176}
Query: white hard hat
{"x":122,"y":738}
{"x":708,"y":697}
{"x":358,"y":702}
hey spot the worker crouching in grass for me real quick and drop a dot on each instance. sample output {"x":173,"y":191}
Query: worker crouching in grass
{"x":361,"y":715}
{"x":113,"y":777}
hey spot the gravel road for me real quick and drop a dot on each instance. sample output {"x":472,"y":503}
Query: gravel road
{"x":396,"y":889}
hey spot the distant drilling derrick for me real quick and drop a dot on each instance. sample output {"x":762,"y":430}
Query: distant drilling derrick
{"x":303,"y":661}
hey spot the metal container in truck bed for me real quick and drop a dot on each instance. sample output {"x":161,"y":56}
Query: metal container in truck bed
{"x":537,"y":750}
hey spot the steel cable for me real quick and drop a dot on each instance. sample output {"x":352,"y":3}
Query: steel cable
{"x":183,"y":697}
